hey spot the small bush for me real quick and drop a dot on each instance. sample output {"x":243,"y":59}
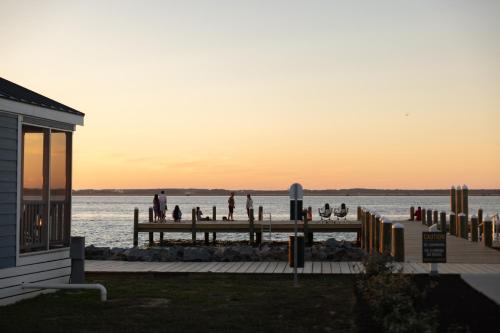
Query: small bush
{"x":394,"y":303}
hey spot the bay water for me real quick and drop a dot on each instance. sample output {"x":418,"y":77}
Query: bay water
{"x":108,"y":220}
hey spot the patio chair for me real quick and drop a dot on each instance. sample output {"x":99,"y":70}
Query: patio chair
{"x":341,"y":212}
{"x":326,"y":212}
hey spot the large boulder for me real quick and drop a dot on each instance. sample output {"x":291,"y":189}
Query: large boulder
{"x":172,"y":253}
{"x":226,"y":253}
{"x":118,"y":253}
{"x":196,"y":254}
{"x":332,"y":243}
{"x":97,"y":253}
{"x":137,"y":254}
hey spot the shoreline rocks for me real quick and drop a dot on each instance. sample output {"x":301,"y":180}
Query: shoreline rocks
{"x":330,"y":249}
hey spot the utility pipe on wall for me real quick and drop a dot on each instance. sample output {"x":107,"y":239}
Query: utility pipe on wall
{"x":97,"y":286}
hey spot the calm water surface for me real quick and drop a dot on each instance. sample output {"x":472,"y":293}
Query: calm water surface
{"x":108,"y":220}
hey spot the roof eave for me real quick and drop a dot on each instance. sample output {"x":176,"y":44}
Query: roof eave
{"x":40,"y":112}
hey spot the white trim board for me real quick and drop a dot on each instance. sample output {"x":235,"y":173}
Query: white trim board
{"x":40,"y":112}
{"x":19,"y":169}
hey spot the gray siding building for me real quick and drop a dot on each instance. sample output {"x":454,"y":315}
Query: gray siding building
{"x":36,"y":140}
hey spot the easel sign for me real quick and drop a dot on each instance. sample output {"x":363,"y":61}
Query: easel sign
{"x":433,"y":247}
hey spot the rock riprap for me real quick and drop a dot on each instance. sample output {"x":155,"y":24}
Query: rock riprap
{"x":330,"y":249}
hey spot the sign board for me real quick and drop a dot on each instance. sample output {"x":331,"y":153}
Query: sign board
{"x":433,"y":247}
{"x":296,"y":192}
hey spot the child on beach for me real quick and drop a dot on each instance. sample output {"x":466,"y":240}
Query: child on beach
{"x":230,"y":203}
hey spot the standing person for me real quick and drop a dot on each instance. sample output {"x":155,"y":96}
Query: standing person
{"x":249,"y":205}
{"x":230,"y":203}
{"x":156,"y":207}
{"x":163,"y":204}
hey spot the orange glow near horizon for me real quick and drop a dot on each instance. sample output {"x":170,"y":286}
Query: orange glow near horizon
{"x":254,"y":95}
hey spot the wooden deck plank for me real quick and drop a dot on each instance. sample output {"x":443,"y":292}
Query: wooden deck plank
{"x":326,"y":267}
{"x":308,"y":267}
{"x":317,"y":266}
{"x":262,"y":267}
{"x":344,"y":268}
{"x":234,"y":268}
{"x":336,"y":267}
{"x":271,"y":267}
{"x":244,"y":267}
{"x":280,"y":267}
{"x":253,"y":267}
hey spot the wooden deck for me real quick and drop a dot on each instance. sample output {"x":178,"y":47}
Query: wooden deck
{"x":458,"y":250}
{"x":244,"y":226}
{"x":273,"y":267}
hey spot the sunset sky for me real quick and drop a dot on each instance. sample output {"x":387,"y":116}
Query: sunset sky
{"x":261,"y":94}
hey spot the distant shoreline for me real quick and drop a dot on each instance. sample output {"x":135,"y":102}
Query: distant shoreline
{"x":223,"y":192}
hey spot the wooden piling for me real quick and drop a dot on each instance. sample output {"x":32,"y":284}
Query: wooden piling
{"x":442,"y":222}
{"x":386,"y":234}
{"x":453,"y":199}
{"x":364,"y":228}
{"x":207,"y":238}
{"x":488,"y":232}
{"x":193,"y":225}
{"x":398,"y":242}
{"x":465,"y":202}
{"x":258,"y":237}
{"x":214,"y":213}
{"x":473,"y":228}
{"x":428,"y":219}
{"x":412,"y":213}
{"x":214,"y":237}
{"x":136,"y":226}
{"x":150,"y":214}
{"x":261,"y":213}
{"x":459,"y":200}
{"x":453,"y":224}
{"x":359,"y":213}
{"x":307,"y":233}
{"x":463,"y":232}
{"x":377,"y":233}
{"x":435,"y":215}
{"x":424,"y":217}
{"x":151,"y":239}
{"x":251,"y":227}
{"x":151,"y":235}
{"x":480,"y":222}
{"x":161,"y":238}
{"x":373,"y":229}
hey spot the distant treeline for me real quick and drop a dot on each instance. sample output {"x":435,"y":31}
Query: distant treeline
{"x":342,"y":192}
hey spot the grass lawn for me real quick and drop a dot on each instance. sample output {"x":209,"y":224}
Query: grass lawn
{"x":196,"y":302}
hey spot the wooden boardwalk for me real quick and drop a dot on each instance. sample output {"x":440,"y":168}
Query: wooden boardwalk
{"x":458,"y":250}
{"x":273,"y":267}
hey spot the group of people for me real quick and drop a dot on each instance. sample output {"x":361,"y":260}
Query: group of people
{"x":160,"y":208}
{"x":231,"y":205}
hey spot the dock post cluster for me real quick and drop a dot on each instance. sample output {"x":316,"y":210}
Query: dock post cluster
{"x":380,"y":236}
{"x":460,"y":225}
